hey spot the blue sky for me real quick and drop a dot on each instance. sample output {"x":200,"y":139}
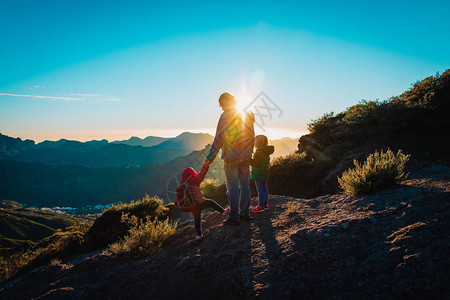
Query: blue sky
{"x":113,"y":69}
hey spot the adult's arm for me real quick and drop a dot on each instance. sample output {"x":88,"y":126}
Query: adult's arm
{"x":218,"y":138}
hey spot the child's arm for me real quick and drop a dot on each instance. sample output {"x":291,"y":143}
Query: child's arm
{"x":257,"y":159}
{"x":200,"y":176}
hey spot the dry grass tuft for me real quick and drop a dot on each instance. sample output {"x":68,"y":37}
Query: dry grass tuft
{"x":144,"y":236}
{"x":293,"y":207}
{"x":55,"y":262}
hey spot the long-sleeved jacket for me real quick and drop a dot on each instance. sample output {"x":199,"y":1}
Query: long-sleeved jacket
{"x":193,"y":192}
{"x":222,"y":138}
{"x":261,"y":163}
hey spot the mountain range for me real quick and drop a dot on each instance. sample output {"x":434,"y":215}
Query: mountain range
{"x":146,"y":142}
{"x":101,"y":153}
{"x":77,"y":174}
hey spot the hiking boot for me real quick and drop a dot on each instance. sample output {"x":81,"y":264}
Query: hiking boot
{"x":231,"y":222}
{"x":199,"y":237}
{"x":245,"y":218}
{"x":260,"y":208}
{"x":226,"y":211}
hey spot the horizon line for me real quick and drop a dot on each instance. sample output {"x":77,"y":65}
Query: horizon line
{"x":125,"y":134}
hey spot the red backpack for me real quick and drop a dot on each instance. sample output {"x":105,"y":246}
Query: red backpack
{"x":188,"y":196}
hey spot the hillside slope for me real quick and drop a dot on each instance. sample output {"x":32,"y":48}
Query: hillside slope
{"x":187,"y":141}
{"x":391,"y":244}
{"x":77,"y":186}
{"x":23,"y":226}
{"x":415,"y":121}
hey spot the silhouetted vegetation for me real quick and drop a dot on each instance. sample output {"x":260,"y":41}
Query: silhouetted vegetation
{"x":416,"y":121}
{"x":410,"y":118}
{"x":297,"y":172}
{"x":380,"y":171}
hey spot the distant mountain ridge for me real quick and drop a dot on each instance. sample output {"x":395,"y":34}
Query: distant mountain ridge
{"x":196,"y":141}
{"x":188,"y":140}
{"x":102,"y":153}
{"x":284,"y":146}
{"x":11,"y":146}
{"x":149,"y":141}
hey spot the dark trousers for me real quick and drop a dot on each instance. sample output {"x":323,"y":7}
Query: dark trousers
{"x":198,"y":213}
{"x":263,"y":192}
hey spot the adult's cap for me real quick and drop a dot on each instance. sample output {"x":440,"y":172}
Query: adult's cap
{"x":227,"y":100}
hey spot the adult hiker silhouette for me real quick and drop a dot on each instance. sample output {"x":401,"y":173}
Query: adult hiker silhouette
{"x":235,"y":136}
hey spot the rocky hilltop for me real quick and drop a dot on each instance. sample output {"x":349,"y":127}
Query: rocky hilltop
{"x":394,"y":244}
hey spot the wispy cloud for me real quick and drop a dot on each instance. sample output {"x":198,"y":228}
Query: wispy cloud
{"x":97,"y":97}
{"x":43,"y":97}
{"x":87,"y":95}
{"x":79,"y":97}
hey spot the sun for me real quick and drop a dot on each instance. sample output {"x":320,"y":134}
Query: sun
{"x":243,"y":100}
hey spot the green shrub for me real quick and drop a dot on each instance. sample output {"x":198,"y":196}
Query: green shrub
{"x":380,"y":171}
{"x":108,"y":228}
{"x":144,"y":236}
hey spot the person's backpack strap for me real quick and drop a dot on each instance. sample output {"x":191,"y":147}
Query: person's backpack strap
{"x":199,"y":197}
{"x":185,"y":194}
{"x":177,"y":202}
{"x":188,"y":196}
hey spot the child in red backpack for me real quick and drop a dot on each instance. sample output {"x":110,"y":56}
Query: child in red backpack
{"x":194,"y":180}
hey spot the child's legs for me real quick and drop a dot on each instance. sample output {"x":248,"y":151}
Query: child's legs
{"x":211,"y":204}
{"x":197,"y":212}
{"x":263,"y":192}
{"x":267,"y":193}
